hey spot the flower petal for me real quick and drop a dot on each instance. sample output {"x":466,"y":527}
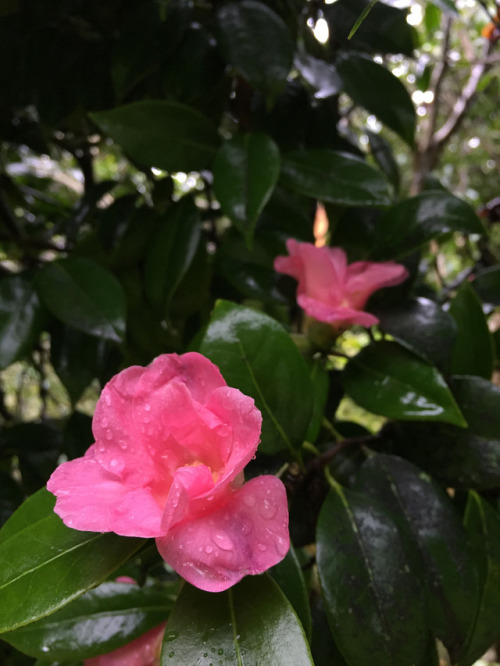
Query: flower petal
{"x":143,"y":651}
{"x":248,"y":534}
{"x":337,"y":316}
{"x":365,"y":277}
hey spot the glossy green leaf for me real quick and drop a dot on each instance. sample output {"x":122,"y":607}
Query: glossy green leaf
{"x":473,"y":350}
{"x":172,"y":250}
{"x":422,"y":324}
{"x":243,"y":28}
{"x":166,"y":135}
{"x":384,"y":157}
{"x":98,"y":622}
{"x":320,"y":381}
{"x":366,"y":582}
{"x":388,"y":379}
{"x":482,"y":523}
{"x":20,"y":318}
{"x":36,"y":553}
{"x":250,"y":623}
{"x":364,"y":79}
{"x":409,"y":224}
{"x":441,"y":557}
{"x":288,"y":574}
{"x":487,"y":285}
{"x":246,"y":170}
{"x":257,"y":356}
{"x":84,"y":295}
{"x":335,"y":177}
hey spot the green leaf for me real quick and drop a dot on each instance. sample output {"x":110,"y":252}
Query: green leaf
{"x":473,"y":350}
{"x":487,"y":285}
{"x":364,"y":79}
{"x":82,"y":294}
{"x":288,"y":574}
{"x":251,"y":623}
{"x":243,"y":28}
{"x":257,"y":356}
{"x":98,"y":622}
{"x":384,"y":157}
{"x":445,"y":5}
{"x":44,"y":564}
{"x":246,"y":170}
{"x":423,"y":325}
{"x":388,"y":379}
{"x":409,"y":224}
{"x":161,"y":134}
{"x":366,"y":583}
{"x":441,"y":559}
{"x":335,"y":177}
{"x":320,"y":75}
{"x":172,"y":250}
{"x":20,"y":318}
{"x":11,"y":496}
{"x":482,"y":523}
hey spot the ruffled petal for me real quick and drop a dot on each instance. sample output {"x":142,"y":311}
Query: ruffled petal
{"x":365,"y":277}
{"x":248,"y":534}
{"x":338,"y":317}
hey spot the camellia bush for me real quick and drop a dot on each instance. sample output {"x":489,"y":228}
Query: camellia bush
{"x":249,"y":396}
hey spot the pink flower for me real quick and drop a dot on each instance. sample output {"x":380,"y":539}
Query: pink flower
{"x":171,"y":443}
{"x":143,"y":651}
{"x":332,"y":291}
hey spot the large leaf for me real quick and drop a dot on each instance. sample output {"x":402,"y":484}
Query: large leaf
{"x":473,"y":349}
{"x":384,"y":156}
{"x":482,"y":523}
{"x":44,"y":564}
{"x":288,"y":574}
{"x":255,"y":41}
{"x":487,"y":285}
{"x":443,"y":563}
{"x":422,"y":324}
{"x":251,"y":623}
{"x":172,"y":250}
{"x":84,"y":295}
{"x":257,"y":356}
{"x":161,"y":134}
{"x":366,"y":582}
{"x":98,"y":622}
{"x":412,"y":222}
{"x":364,"y":79}
{"x":388,"y":379}
{"x":20,"y":318}
{"x":246,"y":171}
{"x":335,"y":177}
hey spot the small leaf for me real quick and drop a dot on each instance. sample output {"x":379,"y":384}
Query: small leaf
{"x":388,"y":379}
{"x":84,"y":295}
{"x":246,"y":170}
{"x":161,"y":134}
{"x":257,"y":356}
{"x":36,"y":553}
{"x":250,"y":623}
{"x":473,"y":350}
{"x":243,"y":28}
{"x":335,"y":177}
{"x":366,"y":583}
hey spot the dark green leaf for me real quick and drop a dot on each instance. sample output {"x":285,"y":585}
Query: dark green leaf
{"x":161,"y":134}
{"x":441,"y":557}
{"x":334,"y":177}
{"x":482,"y":523}
{"x":384,"y":157}
{"x":388,"y":379}
{"x":487,"y":285}
{"x":364,"y":79}
{"x":320,"y":381}
{"x":257,"y":356}
{"x":473,"y":349}
{"x":11,"y":496}
{"x":246,"y":170}
{"x":288,"y":574}
{"x":409,"y":224}
{"x":422,"y":324}
{"x":84,"y":295}
{"x":243,"y":28}
{"x":36,"y":553}
{"x":20,"y":318}
{"x":366,"y":583}
{"x":171,"y":253}
{"x":250,"y":623}
{"x":98,"y":622}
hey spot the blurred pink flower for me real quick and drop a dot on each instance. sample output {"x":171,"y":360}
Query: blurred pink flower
{"x":171,"y":442}
{"x":332,"y":291}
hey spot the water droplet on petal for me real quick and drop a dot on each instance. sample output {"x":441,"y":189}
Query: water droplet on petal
{"x":109,"y":435}
{"x":104,"y":422}
{"x":147,"y":407}
{"x":223,"y":540}
{"x":208,"y":549}
{"x":281,"y":546}
{"x":107,"y":399}
{"x":249,"y":500}
{"x":268,"y":510}
{"x":245,"y":525}
{"x":262,"y":547}
{"x":210,"y":498}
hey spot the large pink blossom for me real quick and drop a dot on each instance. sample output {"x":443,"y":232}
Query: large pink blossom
{"x":330,"y":289}
{"x":171,"y":442}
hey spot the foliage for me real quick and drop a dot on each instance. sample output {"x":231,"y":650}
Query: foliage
{"x":157,"y":155}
